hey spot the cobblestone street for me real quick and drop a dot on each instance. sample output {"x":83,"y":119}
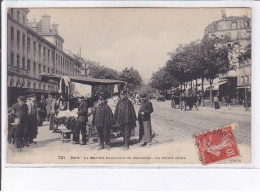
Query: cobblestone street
{"x":173,"y":128}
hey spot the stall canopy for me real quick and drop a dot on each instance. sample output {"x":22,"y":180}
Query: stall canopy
{"x":83,"y":80}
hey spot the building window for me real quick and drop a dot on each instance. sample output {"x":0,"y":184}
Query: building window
{"x":18,"y":37}
{"x":18,"y":83}
{"x":242,"y":80}
{"x":29,"y":65}
{"x":247,"y":23}
{"x":34,"y":85}
{"x":23,"y":63}
{"x":12,"y":12}
{"x":34,"y":68}
{"x":29,"y":44}
{"x":44,"y":87}
{"x":34,"y":46}
{"x":12,"y":82}
{"x":44,"y":52}
{"x":238,"y":35}
{"x":12,"y":59}
{"x":12,"y":33}
{"x":18,"y":61}
{"x":40,"y":50}
{"x":40,"y":85}
{"x":23,"y":19}
{"x":48,"y":70}
{"x":18,"y":16}
{"x":48,"y":55}
{"x":234,"y":25}
{"x":44,"y":68}
{"x":23,"y":84}
{"x":247,"y":80}
{"x":23,"y":40}
{"x":40,"y":68}
{"x":28,"y":84}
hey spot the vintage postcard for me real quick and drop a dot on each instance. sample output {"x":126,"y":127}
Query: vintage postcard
{"x":142,"y":86}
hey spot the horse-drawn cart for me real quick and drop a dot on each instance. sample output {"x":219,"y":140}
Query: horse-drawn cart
{"x":190,"y":101}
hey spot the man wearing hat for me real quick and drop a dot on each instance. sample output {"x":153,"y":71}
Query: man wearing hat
{"x":144,"y":118}
{"x":103,"y":120}
{"x":20,"y":111}
{"x":81,"y":122}
{"x":32,"y":119}
{"x":54,"y":112}
{"x":125,"y":117}
{"x":48,"y":106}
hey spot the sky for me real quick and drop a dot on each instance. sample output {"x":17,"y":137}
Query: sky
{"x":123,"y":37}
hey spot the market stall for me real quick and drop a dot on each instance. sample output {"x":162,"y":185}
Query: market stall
{"x":70,"y":89}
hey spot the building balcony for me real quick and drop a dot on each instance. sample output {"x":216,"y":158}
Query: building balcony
{"x":17,"y":70}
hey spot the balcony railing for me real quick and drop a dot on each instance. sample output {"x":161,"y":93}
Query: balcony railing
{"x":17,"y":70}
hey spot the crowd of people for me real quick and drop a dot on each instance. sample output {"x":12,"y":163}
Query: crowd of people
{"x":124,"y":118}
{"x":27,"y":114}
{"x":23,"y":122}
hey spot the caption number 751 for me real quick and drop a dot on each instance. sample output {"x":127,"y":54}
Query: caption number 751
{"x":61,"y":157}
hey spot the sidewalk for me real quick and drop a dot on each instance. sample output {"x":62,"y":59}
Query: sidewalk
{"x":238,"y":110}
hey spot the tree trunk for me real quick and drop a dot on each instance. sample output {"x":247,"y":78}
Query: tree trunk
{"x":202,"y":85}
{"x":196,"y":86}
{"x":202,"y":88}
{"x":210,"y":92}
{"x":191,"y":85}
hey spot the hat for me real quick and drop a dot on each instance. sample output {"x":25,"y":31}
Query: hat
{"x":143,"y":95}
{"x":101,"y":96}
{"x":81,"y":97}
{"x":22,"y":98}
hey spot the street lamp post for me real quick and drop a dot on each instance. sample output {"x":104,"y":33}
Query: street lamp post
{"x":126,"y":74}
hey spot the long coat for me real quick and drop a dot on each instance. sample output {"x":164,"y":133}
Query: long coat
{"x":125,"y":113}
{"x":83,"y":112}
{"x":103,"y":116}
{"x":48,"y":105}
{"x":146,"y":108}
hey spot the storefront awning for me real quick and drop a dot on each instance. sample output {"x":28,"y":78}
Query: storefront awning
{"x":83,"y":80}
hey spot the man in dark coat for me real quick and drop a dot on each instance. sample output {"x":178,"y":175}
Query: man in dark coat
{"x":41,"y":110}
{"x":81,"y":122}
{"x":20,"y":111}
{"x":144,"y":118}
{"x":103,"y":120}
{"x":32,"y":118}
{"x":125,"y":117}
{"x":48,"y":106}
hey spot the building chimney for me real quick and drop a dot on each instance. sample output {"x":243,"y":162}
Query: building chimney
{"x":34,"y":26}
{"x":46,"y":23}
{"x":223,"y":14}
{"x":55,"y":28}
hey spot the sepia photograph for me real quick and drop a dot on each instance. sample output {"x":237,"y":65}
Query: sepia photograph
{"x":137,"y":86}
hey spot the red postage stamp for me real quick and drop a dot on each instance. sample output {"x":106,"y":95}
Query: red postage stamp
{"x":216,"y":145}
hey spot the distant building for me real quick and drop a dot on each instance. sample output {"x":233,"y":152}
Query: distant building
{"x":237,"y":29}
{"x":86,"y":65}
{"x":34,"y":48}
